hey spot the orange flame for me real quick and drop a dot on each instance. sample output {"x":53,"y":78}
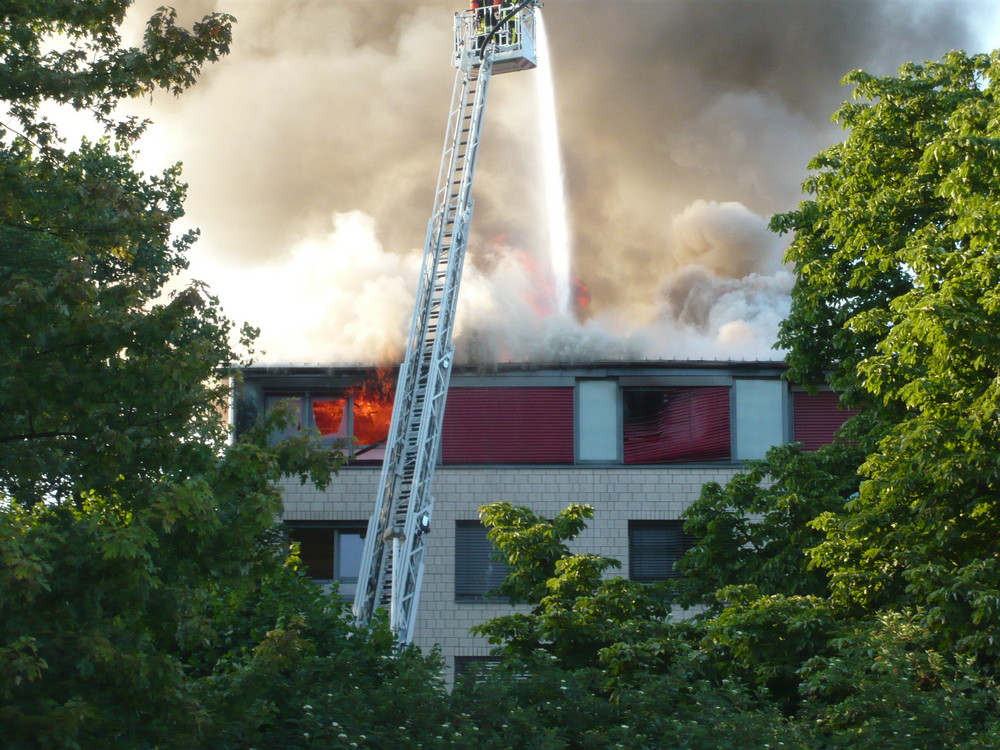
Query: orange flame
{"x":373,"y":406}
{"x":328,"y":414}
{"x":581,"y":296}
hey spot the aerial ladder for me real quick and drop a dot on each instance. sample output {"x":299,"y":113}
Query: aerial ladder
{"x":490,"y":38}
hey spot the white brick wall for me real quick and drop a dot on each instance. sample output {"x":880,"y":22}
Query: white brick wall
{"x":618,"y":493}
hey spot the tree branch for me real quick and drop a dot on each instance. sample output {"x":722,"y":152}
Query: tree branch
{"x":37,"y":435}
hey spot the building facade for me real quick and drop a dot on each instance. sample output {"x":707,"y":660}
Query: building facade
{"x":635,"y":440}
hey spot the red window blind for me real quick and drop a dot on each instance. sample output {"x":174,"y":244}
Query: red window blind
{"x":817,"y":418}
{"x":669,"y":425}
{"x":508,"y":425}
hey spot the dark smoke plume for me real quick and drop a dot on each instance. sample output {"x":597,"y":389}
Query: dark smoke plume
{"x":684,"y":125}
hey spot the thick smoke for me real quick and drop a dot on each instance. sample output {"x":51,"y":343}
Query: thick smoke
{"x":339,"y":293}
{"x":312,"y":153}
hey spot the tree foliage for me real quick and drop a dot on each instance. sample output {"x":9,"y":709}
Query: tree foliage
{"x":89,"y":68}
{"x":899,"y":265}
{"x":883,"y":685}
{"x":894,"y":207}
{"x":778,"y":670}
{"x":125,"y":514}
{"x":103,"y":381}
{"x":574,"y":610}
{"x":755,"y":531}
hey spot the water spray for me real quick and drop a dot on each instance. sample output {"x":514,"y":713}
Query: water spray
{"x":553,"y":176}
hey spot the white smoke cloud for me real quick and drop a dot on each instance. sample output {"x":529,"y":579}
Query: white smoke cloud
{"x":506,"y":314}
{"x":683,"y":124}
{"x":725,"y":238}
{"x":705,"y":316}
{"x":341,"y":297}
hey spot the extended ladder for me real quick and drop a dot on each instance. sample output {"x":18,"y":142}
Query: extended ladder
{"x":392,"y":562}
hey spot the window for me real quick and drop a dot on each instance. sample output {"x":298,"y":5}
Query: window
{"x":654,"y":547}
{"x":817,"y":417}
{"x":474,"y":665}
{"x":322,"y":412}
{"x":761,"y":417}
{"x":597,"y":426}
{"x":477,"y":573}
{"x":330,"y":551}
{"x":671,"y":425}
{"x":508,"y":426}
{"x":354,"y":412}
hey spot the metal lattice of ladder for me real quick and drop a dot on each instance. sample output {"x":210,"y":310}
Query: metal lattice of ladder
{"x":398,"y":528}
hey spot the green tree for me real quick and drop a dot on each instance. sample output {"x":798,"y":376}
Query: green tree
{"x":574,"y":609}
{"x":885,"y":686}
{"x":877,"y":209}
{"x":608,"y":666}
{"x":897,"y":295}
{"x":98,"y":377}
{"x":756,"y":529}
{"x":124,"y":513}
{"x":72,"y":53}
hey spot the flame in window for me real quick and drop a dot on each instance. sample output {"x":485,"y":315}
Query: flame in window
{"x":373,"y":407}
{"x":328,"y":415}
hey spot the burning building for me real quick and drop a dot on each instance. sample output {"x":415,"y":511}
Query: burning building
{"x":636,"y":440}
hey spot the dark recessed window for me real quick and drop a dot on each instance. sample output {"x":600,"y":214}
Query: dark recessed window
{"x":654,"y":547}
{"x":671,"y":425}
{"x":468,"y":665}
{"x":477,"y":571}
{"x":330,"y":551}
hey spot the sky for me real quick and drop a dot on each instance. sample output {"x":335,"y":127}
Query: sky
{"x":312,"y":152}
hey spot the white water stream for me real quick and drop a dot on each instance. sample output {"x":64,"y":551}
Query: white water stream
{"x":556,"y":209}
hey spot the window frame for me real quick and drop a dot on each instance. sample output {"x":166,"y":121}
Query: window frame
{"x":683,"y":542}
{"x":685,"y":397}
{"x":495,"y":569}
{"x":597,"y":422}
{"x":355,"y":452}
{"x":345,"y":583}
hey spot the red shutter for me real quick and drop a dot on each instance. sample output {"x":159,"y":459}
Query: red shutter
{"x":817,"y":417}
{"x":681,"y":424}
{"x":508,"y":426}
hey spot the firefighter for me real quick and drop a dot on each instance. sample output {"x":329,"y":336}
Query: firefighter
{"x":496,"y":15}
{"x":510,"y":28}
{"x":498,"y":10}
{"x":479,"y":16}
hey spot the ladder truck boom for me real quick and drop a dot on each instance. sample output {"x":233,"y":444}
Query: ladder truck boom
{"x":490,"y":38}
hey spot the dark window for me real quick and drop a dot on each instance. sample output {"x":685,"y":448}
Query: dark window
{"x":477,"y":572}
{"x":654,"y":547}
{"x":508,"y":425}
{"x":817,"y":417}
{"x":671,"y":425}
{"x":466,"y":665}
{"x":330,"y":551}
